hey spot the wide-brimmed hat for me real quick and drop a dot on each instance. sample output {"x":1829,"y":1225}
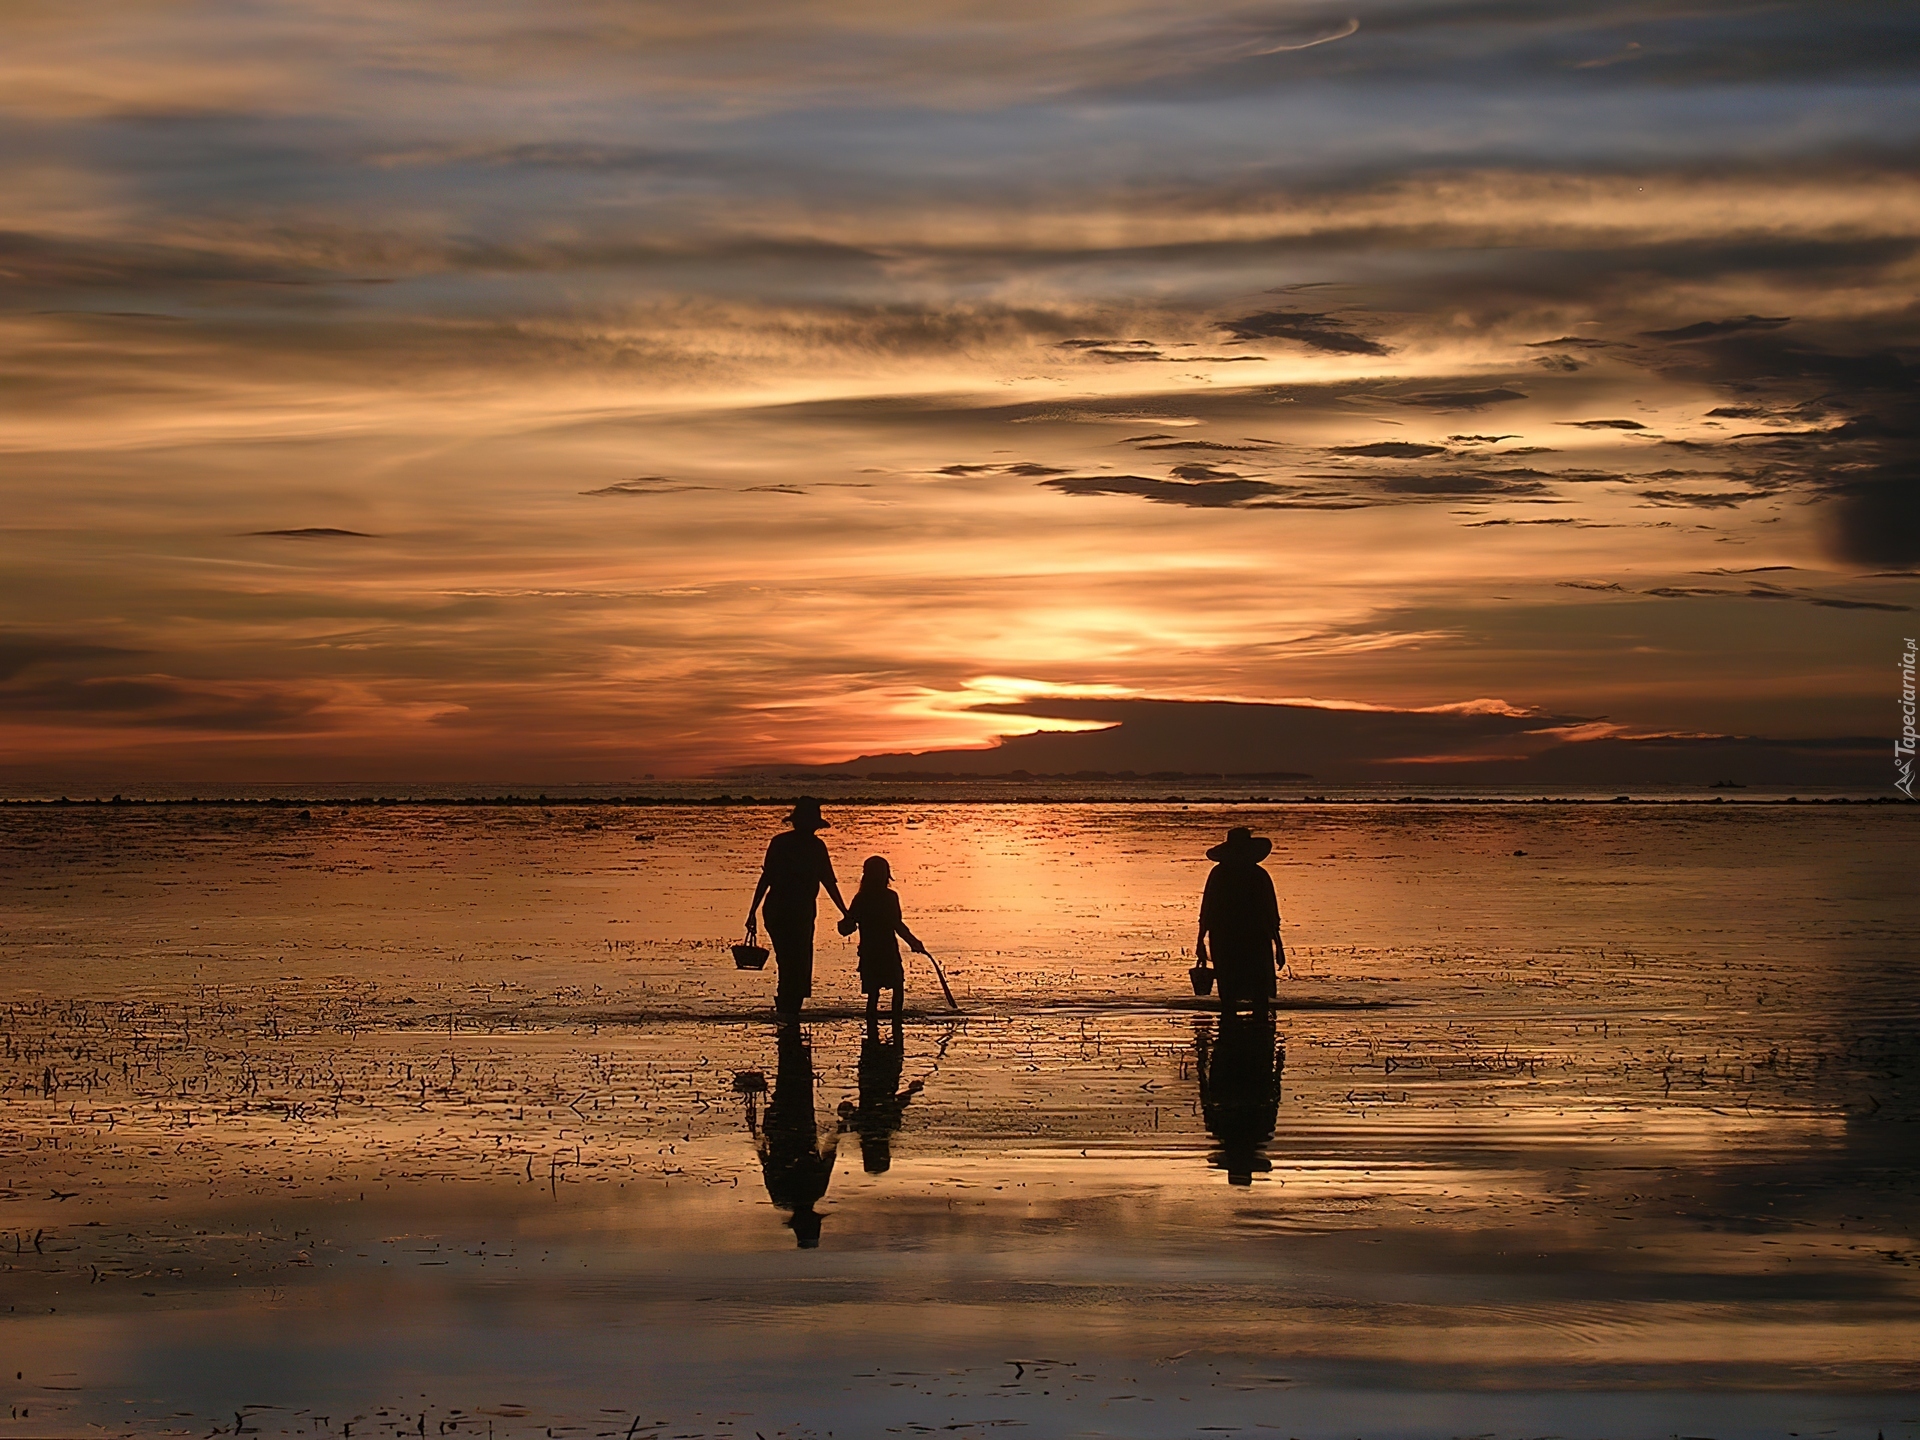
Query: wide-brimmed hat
{"x":1242,"y":844}
{"x":806,"y":815}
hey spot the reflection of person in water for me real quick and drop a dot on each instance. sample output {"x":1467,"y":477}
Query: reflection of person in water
{"x":1241,"y":917}
{"x":796,"y":868}
{"x":793,"y":1161}
{"x":1240,"y":1089}
{"x":882,"y":1102}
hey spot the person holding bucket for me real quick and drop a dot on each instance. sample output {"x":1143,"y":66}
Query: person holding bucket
{"x":797,"y":867}
{"x":1241,"y":917}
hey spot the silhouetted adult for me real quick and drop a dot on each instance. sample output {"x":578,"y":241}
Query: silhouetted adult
{"x":1240,"y":1090}
{"x":797,"y":866}
{"x":882,"y":1102}
{"x":1240,"y":920}
{"x":793,"y":1161}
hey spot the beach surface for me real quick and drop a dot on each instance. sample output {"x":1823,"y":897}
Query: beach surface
{"x":1582,"y":1120}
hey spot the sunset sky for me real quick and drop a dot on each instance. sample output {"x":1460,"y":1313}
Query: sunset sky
{"x":588,"y":390}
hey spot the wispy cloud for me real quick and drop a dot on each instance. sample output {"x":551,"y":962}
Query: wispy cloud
{"x":627,"y":389}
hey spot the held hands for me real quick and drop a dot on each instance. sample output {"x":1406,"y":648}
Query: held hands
{"x":846,"y":925}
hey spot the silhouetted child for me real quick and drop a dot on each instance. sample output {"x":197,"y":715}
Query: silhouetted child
{"x":875,"y":912}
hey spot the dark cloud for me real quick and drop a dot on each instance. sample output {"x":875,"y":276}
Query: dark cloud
{"x":1602,"y":424}
{"x":1468,"y":483}
{"x":1768,"y":592}
{"x":1026,"y":469}
{"x":1714,"y":329}
{"x":1460,"y":399}
{"x":1196,"y":494}
{"x":1603,"y":47}
{"x":1202,"y":445}
{"x":1202,"y":737}
{"x":645,"y":485}
{"x":1208,"y":487}
{"x":1833,"y":602}
{"x":1196,"y":471}
{"x":1701,"y":499}
{"x":1763,"y":363}
{"x":317,"y":532}
{"x":1471,"y":748}
{"x":170,"y":702}
{"x":1857,"y":445}
{"x":1113,"y":349}
{"x":45,"y":264}
{"x":1390,"y":450}
{"x":1578,"y":342}
{"x":1590,"y":585}
{"x":1547,"y":520}
{"x":1149,"y":351}
{"x":19,"y":652}
{"x":1701,"y":592}
{"x":1479,"y":439}
{"x":1319,"y":331}
{"x":1877,"y":521}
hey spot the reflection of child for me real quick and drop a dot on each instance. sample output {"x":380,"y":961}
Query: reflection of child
{"x":875,"y":912}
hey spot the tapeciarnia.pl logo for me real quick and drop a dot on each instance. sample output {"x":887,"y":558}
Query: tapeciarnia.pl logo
{"x":1903,"y":747}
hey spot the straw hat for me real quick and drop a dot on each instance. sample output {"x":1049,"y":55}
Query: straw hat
{"x":1242,"y":844}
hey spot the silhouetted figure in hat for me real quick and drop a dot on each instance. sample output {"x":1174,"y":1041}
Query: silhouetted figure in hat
{"x":883,"y":1103}
{"x":875,"y":913}
{"x":1240,"y":921}
{"x":1240,"y":1089}
{"x":796,"y":868}
{"x":793,"y":1161}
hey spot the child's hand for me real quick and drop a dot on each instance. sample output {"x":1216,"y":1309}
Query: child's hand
{"x":846,"y":925}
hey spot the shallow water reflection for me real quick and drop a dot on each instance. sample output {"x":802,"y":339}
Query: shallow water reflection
{"x":333,"y":1173}
{"x":1239,"y":1069}
{"x":880,"y":1111}
{"x":795,"y":1159}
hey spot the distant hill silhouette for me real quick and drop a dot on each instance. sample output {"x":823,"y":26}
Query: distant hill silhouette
{"x":1184,"y":740}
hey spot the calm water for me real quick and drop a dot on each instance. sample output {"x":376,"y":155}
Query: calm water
{"x":1585,"y":1120}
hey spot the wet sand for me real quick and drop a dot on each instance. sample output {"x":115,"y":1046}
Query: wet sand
{"x":411,"y":1120}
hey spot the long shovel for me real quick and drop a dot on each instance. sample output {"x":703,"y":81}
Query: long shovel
{"x":941,"y":975}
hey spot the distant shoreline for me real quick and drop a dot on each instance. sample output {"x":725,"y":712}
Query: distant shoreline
{"x":728,"y":800}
